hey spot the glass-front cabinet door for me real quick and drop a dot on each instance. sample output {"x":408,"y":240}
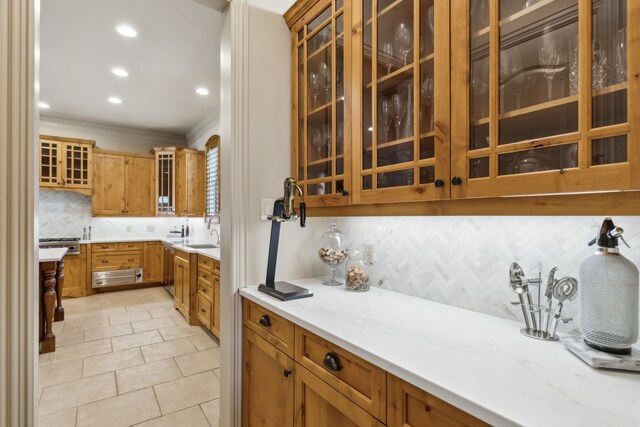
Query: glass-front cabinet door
{"x":541,"y":98}
{"x":50,"y":163}
{"x":401,"y":88}
{"x":321,"y":103}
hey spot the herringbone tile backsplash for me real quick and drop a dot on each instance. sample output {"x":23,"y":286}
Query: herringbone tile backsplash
{"x":464,"y":261}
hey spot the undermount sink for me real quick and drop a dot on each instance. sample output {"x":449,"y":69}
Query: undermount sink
{"x":203,"y":246}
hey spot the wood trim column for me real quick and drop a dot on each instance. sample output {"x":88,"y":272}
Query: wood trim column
{"x":18,"y":241}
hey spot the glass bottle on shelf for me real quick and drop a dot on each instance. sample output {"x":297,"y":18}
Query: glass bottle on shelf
{"x":357,"y":276}
{"x":332,"y":252}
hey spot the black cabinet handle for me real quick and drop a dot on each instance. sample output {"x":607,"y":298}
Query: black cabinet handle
{"x":265,"y":321}
{"x":456,"y":180}
{"x":332,"y":362}
{"x":344,"y":193}
{"x":287,"y":373}
{"x":439,"y":183}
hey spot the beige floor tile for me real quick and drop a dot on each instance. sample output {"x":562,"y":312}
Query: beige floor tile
{"x":201,"y":361}
{"x":112,"y":361}
{"x":123,"y":410}
{"x":203,"y":342}
{"x":164,"y":350}
{"x":191,"y":417}
{"x":72,"y":315}
{"x":118,"y":319}
{"x":66,"y":418}
{"x":148,"y":325}
{"x":86,"y":323}
{"x":179,"y":319}
{"x":45,"y":359}
{"x":60,"y":373}
{"x":134,"y":308}
{"x":184,"y":331}
{"x":212,"y":410}
{"x":217,"y":372}
{"x":108,"y":332}
{"x":57,"y":328}
{"x":135,"y":340}
{"x":76,"y":393}
{"x":105,"y":312}
{"x":157,"y":313}
{"x":186,"y":392}
{"x":143,"y":376}
{"x":82,"y":350}
{"x":68,"y":337}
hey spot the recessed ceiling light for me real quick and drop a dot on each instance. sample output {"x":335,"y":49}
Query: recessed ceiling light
{"x":115,"y":100}
{"x":120,"y":72}
{"x":126,"y":31}
{"x":44,"y":105}
{"x":202,"y":91}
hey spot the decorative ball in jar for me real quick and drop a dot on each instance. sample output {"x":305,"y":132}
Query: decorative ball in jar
{"x":332,"y":253}
{"x":357,"y":277}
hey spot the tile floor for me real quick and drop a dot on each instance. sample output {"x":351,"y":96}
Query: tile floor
{"x":129,"y":358}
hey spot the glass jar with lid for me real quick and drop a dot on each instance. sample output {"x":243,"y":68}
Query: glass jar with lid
{"x":357,"y":276}
{"x":332,"y":252}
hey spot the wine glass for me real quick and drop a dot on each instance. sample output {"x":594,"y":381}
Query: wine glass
{"x":573,"y":65}
{"x":398,"y":107}
{"x":510,"y":72}
{"x":479,"y":15}
{"x":387,"y":50}
{"x":620,"y":41}
{"x":430,"y":19}
{"x":314,"y":83}
{"x":317,"y":140}
{"x":480,"y":84}
{"x":402,"y":40}
{"x":599,"y":67}
{"x":549,"y":56}
{"x":325,"y":80}
{"x":385,"y":116}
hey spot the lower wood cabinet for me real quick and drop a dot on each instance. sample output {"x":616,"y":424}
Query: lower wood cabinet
{"x":182,"y":281}
{"x":268,"y":383}
{"x":153,"y":262}
{"x":323,"y":385}
{"x":208,"y":290}
{"x":75,"y":274}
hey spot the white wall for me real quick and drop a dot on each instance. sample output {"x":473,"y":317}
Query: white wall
{"x":269,"y":152}
{"x":109,"y":137}
{"x":200,"y":134}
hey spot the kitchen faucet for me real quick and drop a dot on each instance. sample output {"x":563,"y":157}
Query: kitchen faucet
{"x":217,"y":234}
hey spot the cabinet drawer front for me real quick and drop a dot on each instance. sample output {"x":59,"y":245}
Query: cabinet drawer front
{"x":104,"y":247}
{"x":183,"y":255}
{"x":205,"y":276}
{"x":131,"y":246}
{"x":357,"y":379}
{"x":209,"y":264}
{"x":205,"y":289}
{"x":409,"y":406}
{"x":204,"y":311}
{"x":318,"y":404}
{"x":277,"y":330}
{"x":115,"y":261}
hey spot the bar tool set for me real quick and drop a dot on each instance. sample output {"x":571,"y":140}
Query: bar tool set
{"x":541,"y":322}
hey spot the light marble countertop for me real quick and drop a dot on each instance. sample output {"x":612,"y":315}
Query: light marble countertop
{"x":176,"y":243}
{"x":479,"y":363}
{"x":52,"y":254}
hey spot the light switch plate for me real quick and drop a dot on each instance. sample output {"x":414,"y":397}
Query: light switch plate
{"x":266,"y":208}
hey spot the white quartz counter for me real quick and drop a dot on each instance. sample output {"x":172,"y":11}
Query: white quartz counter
{"x":479,"y":363}
{"x":52,"y":254}
{"x":177,"y":243}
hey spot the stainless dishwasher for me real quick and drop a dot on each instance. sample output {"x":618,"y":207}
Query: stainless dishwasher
{"x":167,"y":276}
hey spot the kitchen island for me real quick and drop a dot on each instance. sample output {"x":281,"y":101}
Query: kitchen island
{"x":480,"y":364}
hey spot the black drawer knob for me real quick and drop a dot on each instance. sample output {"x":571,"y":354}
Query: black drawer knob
{"x":265,"y":321}
{"x":344,"y":193}
{"x":287,"y":373}
{"x":332,"y":362}
{"x":439,"y":183}
{"x":456,"y":180}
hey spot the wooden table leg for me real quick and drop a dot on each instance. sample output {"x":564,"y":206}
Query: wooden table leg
{"x":59,"y":314}
{"x":48,"y":339}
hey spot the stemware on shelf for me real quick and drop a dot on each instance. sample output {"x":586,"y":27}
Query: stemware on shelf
{"x":510,"y":75}
{"x":403,"y":40}
{"x":387,"y":50}
{"x":385,"y":116}
{"x":407,"y":129}
{"x":549,"y":56}
{"x":620,"y":41}
{"x":326,"y":133}
{"x":317,"y":140}
{"x":573,"y":65}
{"x":314,"y":84}
{"x":325,"y":80}
{"x":430,"y":19}
{"x":480,"y":85}
{"x":398,"y":107}
{"x":599,"y":66}
{"x":479,"y":15}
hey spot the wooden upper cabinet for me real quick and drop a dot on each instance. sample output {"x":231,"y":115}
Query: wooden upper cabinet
{"x":542,"y":96}
{"x":189,"y":182}
{"x":322,"y":103}
{"x":165,"y":189}
{"x":66,"y":164}
{"x":401,"y":125}
{"x":124,"y":184}
{"x":412,"y":100}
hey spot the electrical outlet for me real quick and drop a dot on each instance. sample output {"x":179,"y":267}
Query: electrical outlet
{"x":266,"y":208}
{"x":368,"y":253}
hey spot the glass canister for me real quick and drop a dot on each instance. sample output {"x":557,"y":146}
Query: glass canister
{"x":332,"y":252}
{"x":357,"y":276}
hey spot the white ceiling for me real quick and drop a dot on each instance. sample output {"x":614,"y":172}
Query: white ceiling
{"x":177,"y":50}
{"x":277,"y":6}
